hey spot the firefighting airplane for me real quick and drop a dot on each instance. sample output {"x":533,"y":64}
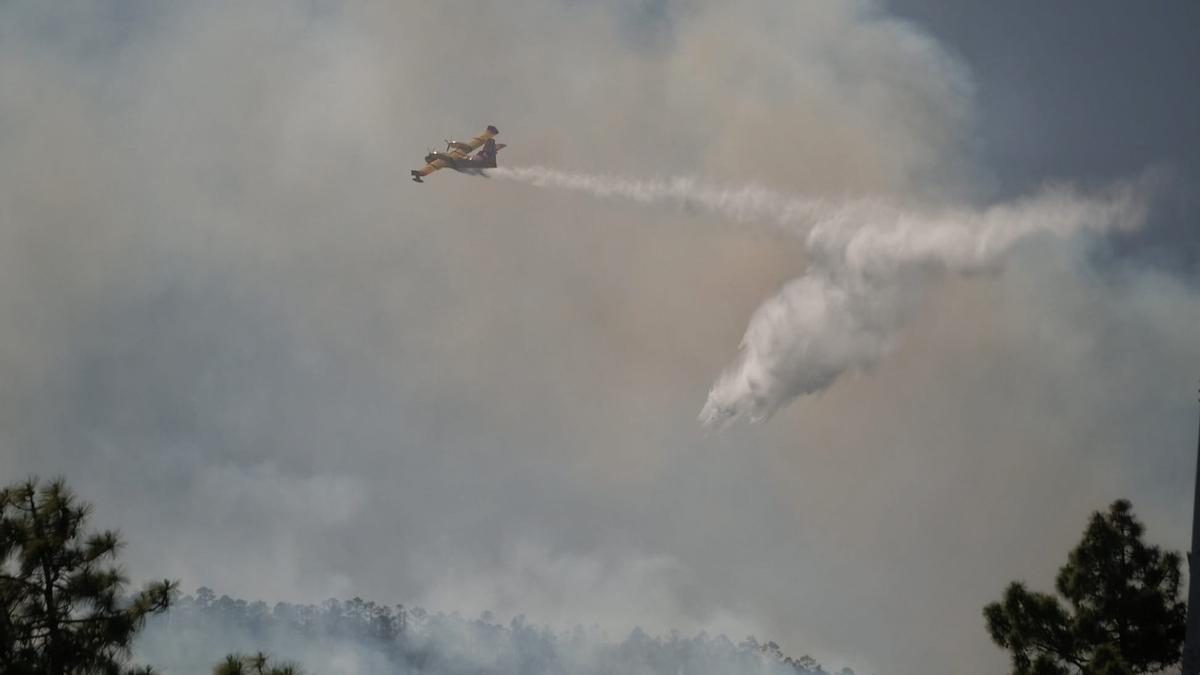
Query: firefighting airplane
{"x":458,"y":156}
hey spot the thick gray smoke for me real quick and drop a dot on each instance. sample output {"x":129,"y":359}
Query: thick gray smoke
{"x":285,"y":371}
{"x":358,"y":637}
{"x":869,"y":260}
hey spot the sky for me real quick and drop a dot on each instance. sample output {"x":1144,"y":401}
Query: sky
{"x":284,"y":371}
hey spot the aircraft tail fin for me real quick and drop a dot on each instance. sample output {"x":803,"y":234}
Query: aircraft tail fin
{"x":416,"y":174}
{"x":489,"y":149}
{"x":488,"y":153}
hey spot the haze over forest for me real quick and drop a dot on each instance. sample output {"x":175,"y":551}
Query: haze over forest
{"x":360,"y":636}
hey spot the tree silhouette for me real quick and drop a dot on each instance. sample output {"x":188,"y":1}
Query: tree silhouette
{"x":1125,"y":614}
{"x":258,"y":664}
{"x":62,"y":603}
{"x":411,"y":640}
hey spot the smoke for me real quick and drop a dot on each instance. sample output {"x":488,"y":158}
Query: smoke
{"x":285,"y":371}
{"x":358,"y":637}
{"x":869,"y":261}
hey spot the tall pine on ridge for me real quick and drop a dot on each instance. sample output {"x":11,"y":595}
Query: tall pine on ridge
{"x":63,"y":607}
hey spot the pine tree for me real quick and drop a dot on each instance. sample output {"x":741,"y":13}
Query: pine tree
{"x":1125,"y":613}
{"x":258,"y":664}
{"x":63,"y":607}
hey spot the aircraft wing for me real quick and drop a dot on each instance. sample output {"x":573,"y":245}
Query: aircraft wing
{"x":429,"y":168}
{"x":475,"y":143}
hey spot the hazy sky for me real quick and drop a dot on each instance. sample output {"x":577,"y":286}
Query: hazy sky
{"x":288,"y":373}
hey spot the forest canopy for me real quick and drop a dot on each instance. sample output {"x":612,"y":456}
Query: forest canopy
{"x":363,"y":637}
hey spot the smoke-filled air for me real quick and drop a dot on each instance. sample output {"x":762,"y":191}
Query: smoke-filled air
{"x":658,"y":337}
{"x":867,"y":261}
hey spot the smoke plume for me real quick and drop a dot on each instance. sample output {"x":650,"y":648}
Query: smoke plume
{"x":358,"y":637}
{"x":869,"y":260}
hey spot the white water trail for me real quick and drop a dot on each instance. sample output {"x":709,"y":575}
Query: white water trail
{"x":869,"y":261}
{"x":746,"y":204}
